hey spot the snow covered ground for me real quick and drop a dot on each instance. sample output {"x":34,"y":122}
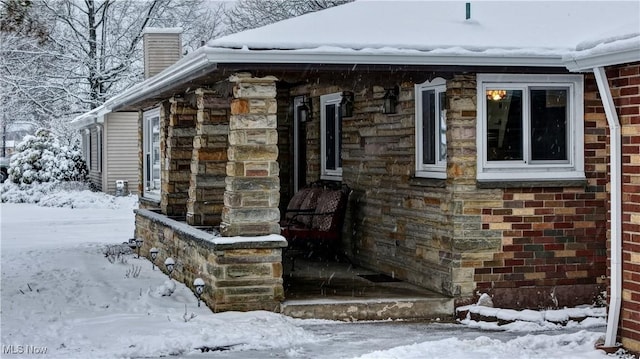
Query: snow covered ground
{"x":61,"y":296}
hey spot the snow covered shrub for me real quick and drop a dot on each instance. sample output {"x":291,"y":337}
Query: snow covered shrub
{"x":41,"y":158}
{"x":48,"y":194}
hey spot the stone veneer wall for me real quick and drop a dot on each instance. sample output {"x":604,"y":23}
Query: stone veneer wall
{"x":454,"y":236}
{"x":252,"y":194}
{"x":176,"y":175}
{"x":625,"y":87}
{"x":209,"y":160}
{"x":238,"y":275}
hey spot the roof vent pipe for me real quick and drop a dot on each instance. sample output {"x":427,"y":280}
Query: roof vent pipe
{"x":468,"y":5}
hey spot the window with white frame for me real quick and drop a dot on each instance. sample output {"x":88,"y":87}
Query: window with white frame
{"x":530,"y":127}
{"x":431,"y":129}
{"x":331,"y":137}
{"x":151,"y":153}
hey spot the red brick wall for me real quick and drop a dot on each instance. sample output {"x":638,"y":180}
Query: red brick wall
{"x":625,"y":88}
{"x":553,"y":238}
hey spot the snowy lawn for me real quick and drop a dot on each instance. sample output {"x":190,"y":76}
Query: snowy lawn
{"x":61,"y":295}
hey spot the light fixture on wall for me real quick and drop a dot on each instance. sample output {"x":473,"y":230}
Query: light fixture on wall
{"x":496,"y":95}
{"x":346,"y":104}
{"x":304,"y":110}
{"x":390,"y":100}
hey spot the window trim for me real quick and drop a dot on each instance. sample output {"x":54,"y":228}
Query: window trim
{"x":147,"y":116}
{"x":87,"y":148}
{"x":439,"y":169}
{"x":330,"y":99}
{"x":99,"y":148}
{"x":573,"y":169}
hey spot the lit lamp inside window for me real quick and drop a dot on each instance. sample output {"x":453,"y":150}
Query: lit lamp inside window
{"x":496,"y":95}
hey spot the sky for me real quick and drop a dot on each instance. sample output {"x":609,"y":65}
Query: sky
{"x":62,"y":294}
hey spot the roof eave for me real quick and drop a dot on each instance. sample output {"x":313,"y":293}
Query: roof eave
{"x":207,"y":58}
{"x":90,"y":118}
{"x":176,"y":74}
{"x":84,"y":121}
{"x":577,"y":63}
{"x":312,"y":56}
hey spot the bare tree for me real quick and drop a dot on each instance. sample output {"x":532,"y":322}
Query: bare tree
{"x":81,"y":52}
{"x":16,"y":17}
{"x":249,"y":14}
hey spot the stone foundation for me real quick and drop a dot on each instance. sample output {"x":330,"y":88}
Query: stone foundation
{"x":240,"y":273}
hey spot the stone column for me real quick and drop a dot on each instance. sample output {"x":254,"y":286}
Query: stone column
{"x":209,"y":160}
{"x":252,"y":185}
{"x":177,"y":167}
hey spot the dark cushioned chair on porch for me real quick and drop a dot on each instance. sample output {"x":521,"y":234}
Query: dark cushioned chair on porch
{"x":314,"y":217}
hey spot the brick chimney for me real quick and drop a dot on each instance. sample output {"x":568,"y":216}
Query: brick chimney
{"x":162,"y":48}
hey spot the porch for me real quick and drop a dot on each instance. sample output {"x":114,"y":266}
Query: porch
{"x":254,"y":274}
{"x":231,"y":155}
{"x":320,"y":289}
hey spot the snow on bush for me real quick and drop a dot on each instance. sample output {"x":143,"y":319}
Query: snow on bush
{"x":41,"y":158}
{"x":63,"y":194}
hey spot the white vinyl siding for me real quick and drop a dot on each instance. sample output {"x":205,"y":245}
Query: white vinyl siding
{"x":121,"y":160}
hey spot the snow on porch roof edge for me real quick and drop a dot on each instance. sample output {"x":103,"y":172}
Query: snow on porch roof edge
{"x":294,"y":48}
{"x":207,"y":58}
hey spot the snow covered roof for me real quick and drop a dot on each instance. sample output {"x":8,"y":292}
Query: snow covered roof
{"x":617,"y":46}
{"x":498,"y":33}
{"x":494,"y":29}
{"x":89,"y":118}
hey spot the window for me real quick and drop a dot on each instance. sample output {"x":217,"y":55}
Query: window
{"x":530,"y":127}
{"x":431,"y":129}
{"x":331,"y":137}
{"x":151,"y":153}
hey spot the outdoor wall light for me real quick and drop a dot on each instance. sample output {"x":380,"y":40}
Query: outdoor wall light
{"x":138,"y":245}
{"x":169,"y":263}
{"x":154,"y":255}
{"x":198,"y":283}
{"x":304,"y":110}
{"x":346,"y":104}
{"x":390,"y":100}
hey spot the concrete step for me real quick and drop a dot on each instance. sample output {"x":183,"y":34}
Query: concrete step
{"x":370,"y":308}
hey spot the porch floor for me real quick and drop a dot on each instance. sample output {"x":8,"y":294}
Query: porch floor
{"x":339,"y":291}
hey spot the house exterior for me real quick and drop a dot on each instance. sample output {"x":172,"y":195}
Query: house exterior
{"x":110,"y":140}
{"x":478,"y":160}
{"x":615,"y":61}
{"x":110,"y":149}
